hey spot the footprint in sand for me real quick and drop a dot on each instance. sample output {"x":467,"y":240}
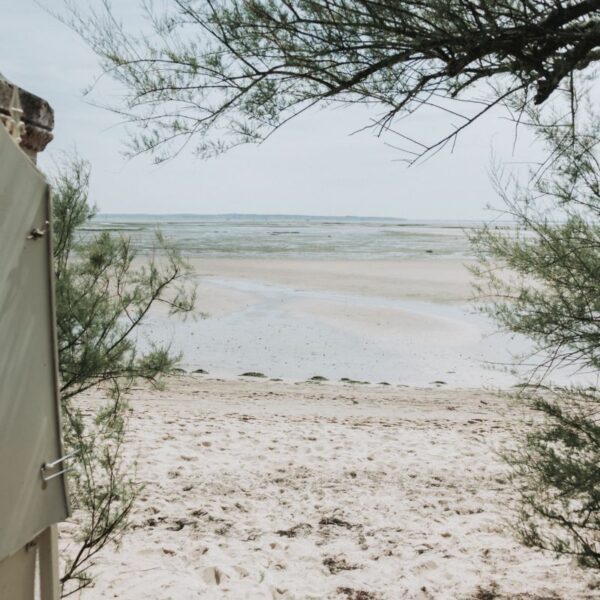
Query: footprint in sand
{"x":213,"y":576}
{"x":428,"y":565}
{"x":241,"y":571}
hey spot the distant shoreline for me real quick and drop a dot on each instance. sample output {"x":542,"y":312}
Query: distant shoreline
{"x":249,"y":215}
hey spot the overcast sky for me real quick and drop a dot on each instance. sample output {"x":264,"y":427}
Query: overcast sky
{"x":312,"y":166}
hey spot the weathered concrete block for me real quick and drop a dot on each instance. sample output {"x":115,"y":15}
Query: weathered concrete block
{"x":38,"y":117}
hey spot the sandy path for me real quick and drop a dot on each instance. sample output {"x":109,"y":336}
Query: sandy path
{"x":310,"y":491}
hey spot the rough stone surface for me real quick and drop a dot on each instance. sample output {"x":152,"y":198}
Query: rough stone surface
{"x":38,"y":117}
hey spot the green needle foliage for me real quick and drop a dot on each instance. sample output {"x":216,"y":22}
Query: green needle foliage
{"x":218,"y":73}
{"x":557,"y":474}
{"x":103,"y":294}
{"x":552,"y":294}
{"x":542,"y":280}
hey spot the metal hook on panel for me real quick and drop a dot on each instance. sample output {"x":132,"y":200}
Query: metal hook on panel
{"x":52,"y":465}
{"x":36,"y":233}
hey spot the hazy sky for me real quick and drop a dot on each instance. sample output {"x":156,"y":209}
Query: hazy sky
{"x":312,"y":166}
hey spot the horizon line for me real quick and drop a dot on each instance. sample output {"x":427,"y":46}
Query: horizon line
{"x":235,"y":214}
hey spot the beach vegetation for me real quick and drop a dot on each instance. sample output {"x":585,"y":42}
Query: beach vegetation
{"x":213,"y":75}
{"x":555,"y":471}
{"x":541,"y":278}
{"x":102,"y":297}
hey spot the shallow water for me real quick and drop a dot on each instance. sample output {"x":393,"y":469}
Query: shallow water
{"x":253,"y":236}
{"x":278,"y":334}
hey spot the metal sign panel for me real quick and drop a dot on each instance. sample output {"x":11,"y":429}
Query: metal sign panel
{"x":30,"y":498}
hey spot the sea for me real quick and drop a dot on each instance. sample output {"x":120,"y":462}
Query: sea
{"x":293,"y":236}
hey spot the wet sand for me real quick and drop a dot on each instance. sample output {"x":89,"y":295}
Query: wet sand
{"x":434,"y":280}
{"x":401,"y":321}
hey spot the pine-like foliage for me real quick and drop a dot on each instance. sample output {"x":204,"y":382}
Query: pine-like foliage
{"x":542,"y":280}
{"x":216,"y":73}
{"x":102,"y":296}
{"x":556,"y":472}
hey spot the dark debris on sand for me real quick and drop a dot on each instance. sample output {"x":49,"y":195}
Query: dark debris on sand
{"x":337,"y":564}
{"x":353,"y":594}
{"x":296,"y":530}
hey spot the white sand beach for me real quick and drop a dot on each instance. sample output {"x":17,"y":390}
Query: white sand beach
{"x":259,"y":489}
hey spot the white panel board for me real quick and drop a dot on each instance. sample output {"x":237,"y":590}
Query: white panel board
{"x":29,"y":403}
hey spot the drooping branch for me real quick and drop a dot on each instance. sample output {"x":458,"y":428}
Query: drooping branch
{"x":226,"y":72}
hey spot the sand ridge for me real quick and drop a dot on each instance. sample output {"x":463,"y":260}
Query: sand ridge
{"x":260,"y":489}
{"x":441,"y":280}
